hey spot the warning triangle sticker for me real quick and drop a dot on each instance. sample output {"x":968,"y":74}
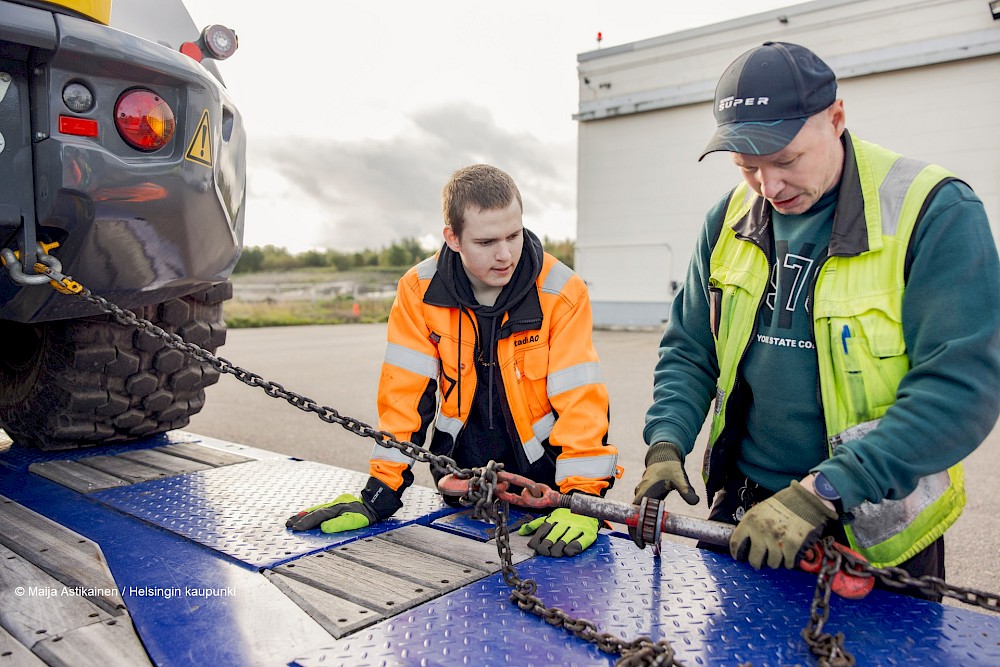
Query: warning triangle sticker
{"x":200,"y":148}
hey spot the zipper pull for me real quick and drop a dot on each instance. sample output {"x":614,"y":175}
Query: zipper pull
{"x":517,"y":372}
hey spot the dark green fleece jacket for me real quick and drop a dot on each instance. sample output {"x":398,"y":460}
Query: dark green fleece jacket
{"x":946,"y":404}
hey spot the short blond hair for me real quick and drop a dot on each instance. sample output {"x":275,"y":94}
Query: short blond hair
{"x":478,"y":185}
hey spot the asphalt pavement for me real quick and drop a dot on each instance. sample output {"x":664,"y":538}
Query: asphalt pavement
{"x":338,"y":366}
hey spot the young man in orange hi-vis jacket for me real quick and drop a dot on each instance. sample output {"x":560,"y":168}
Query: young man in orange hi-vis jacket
{"x":489,"y":341}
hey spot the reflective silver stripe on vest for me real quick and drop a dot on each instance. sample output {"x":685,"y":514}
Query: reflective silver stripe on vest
{"x":892,"y":192}
{"x":573,"y":377}
{"x":449,"y":425}
{"x":427,"y":268}
{"x":542,"y":429}
{"x":380,"y":453}
{"x":874,"y":523}
{"x":557,"y":278}
{"x":855,"y":432}
{"x":594,"y":467}
{"x":411,"y":360}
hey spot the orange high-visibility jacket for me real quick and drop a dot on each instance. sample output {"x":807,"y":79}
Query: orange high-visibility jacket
{"x":551,"y":375}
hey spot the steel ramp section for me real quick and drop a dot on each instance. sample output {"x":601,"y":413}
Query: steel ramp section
{"x":103,"y":471}
{"x":58,"y":599}
{"x":191,"y":606}
{"x":713,"y":611}
{"x":93,"y":470}
{"x":352,"y":586}
{"x":240,"y":510}
{"x":17,"y":457}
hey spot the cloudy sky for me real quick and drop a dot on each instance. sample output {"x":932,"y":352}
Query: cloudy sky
{"x":357,"y":111}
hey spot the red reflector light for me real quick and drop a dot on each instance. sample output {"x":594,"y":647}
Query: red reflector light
{"x":191,"y":50}
{"x":144,"y":120}
{"x":83,"y":127}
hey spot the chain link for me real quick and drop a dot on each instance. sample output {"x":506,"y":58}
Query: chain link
{"x":895,"y":577}
{"x":639,"y":652}
{"x":829,"y":649}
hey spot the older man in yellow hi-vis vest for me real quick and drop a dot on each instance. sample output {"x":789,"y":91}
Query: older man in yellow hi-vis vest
{"x":842,"y":310}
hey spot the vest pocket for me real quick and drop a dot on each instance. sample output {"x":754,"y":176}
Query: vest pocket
{"x":869,"y":358}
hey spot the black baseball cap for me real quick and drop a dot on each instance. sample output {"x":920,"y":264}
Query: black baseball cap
{"x":765,"y":97}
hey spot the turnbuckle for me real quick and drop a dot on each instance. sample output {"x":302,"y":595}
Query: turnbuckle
{"x":652,"y":520}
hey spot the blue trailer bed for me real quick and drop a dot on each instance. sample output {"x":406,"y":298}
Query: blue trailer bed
{"x":173,"y":551}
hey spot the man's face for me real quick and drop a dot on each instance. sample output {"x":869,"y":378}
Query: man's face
{"x":491,"y":243}
{"x":794,"y":178}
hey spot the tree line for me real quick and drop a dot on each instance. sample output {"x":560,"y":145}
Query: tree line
{"x":399,"y":255}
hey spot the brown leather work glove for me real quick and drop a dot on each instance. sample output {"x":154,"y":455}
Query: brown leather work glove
{"x":780,"y":529}
{"x":664,"y":473}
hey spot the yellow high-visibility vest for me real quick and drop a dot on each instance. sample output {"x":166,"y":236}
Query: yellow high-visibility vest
{"x":860,"y":292}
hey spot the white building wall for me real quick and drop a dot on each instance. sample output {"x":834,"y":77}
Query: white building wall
{"x":920,"y":77}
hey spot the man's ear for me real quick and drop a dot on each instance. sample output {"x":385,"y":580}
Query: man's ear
{"x":451,"y":239}
{"x":838,"y":117}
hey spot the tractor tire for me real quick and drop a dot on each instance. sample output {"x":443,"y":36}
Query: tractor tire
{"x":92,"y":381}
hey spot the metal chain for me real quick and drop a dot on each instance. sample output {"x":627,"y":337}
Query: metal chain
{"x":897,"y":578}
{"x":640,"y":652}
{"x":829,"y":649}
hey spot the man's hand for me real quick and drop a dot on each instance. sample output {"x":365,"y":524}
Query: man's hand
{"x":346,"y":512}
{"x":561,"y":533}
{"x":664,"y":473}
{"x":779,"y":530}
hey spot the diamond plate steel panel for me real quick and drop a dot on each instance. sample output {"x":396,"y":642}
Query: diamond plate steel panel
{"x":713,"y":610}
{"x":465,"y":524}
{"x":240,"y":510}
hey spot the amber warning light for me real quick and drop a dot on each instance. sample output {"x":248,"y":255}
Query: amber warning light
{"x":144,"y":120}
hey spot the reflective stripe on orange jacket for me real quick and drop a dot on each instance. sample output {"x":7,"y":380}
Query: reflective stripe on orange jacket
{"x":551,"y":375}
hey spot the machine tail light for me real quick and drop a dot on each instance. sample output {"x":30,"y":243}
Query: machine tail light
{"x":144,"y":120}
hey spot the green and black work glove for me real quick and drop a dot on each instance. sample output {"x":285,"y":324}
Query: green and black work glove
{"x":349,"y":512}
{"x":780,"y":529}
{"x":346,"y":512}
{"x":664,"y":473}
{"x":561,"y":533}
